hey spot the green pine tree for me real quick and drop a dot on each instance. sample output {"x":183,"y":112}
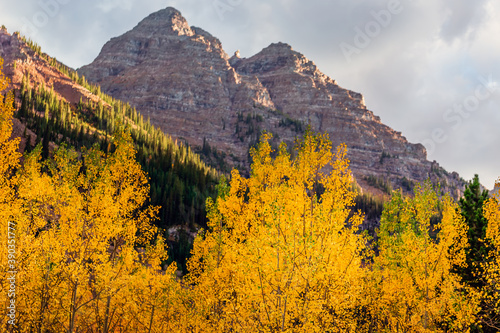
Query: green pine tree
{"x":471,"y":206}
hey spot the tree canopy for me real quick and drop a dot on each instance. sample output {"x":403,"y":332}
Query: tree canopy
{"x":282,"y":251}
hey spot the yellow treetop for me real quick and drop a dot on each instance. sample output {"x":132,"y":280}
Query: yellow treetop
{"x":282,"y":252}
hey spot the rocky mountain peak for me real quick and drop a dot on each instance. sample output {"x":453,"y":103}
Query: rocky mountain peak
{"x":168,"y":20}
{"x":278,"y":57}
{"x":278,"y":47}
{"x":182,"y":78}
{"x":156,"y":41}
{"x":210,"y":41}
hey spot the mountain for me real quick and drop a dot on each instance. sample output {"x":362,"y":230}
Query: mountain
{"x":56,"y":106}
{"x":182,"y":79}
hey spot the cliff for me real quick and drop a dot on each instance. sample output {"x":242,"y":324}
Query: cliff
{"x":181,"y":77}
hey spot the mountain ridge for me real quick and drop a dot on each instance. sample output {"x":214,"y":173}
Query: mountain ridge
{"x":181,"y":77}
{"x":55,"y":106}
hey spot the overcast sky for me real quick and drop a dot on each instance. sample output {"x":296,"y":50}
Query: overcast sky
{"x":428,"y":68}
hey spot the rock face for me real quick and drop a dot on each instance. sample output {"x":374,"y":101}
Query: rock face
{"x":181,"y":78}
{"x":20,"y":60}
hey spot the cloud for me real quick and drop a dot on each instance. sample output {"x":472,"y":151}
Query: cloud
{"x":462,"y":18}
{"x":108,"y":5}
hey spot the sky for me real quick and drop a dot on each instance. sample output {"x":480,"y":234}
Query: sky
{"x":428,"y":68}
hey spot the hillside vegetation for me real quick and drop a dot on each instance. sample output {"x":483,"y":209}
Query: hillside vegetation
{"x":281,"y":252}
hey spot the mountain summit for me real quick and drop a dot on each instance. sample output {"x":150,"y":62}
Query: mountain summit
{"x":168,"y":20}
{"x":181,"y":77}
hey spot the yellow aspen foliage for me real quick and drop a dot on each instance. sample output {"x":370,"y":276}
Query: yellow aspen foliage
{"x":282,"y":252}
{"x":9,"y":157}
{"x":492,"y":214}
{"x":88,"y":239}
{"x":79,"y":252}
{"x":87,"y":256}
{"x":9,"y":206}
{"x":157,"y":303}
{"x":414,"y":283}
{"x":491,"y":294}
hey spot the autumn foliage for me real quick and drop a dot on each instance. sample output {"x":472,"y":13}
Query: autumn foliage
{"x":87,"y":257}
{"x":416,"y":289}
{"x":491,"y":293}
{"x":278,"y":255}
{"x":283,"y":250}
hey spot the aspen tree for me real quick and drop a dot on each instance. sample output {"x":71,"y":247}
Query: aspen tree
{"x":417,"y":290}
{"x":491,"y":293}
{"x":9,"y":206}
{"x":281,"y":252}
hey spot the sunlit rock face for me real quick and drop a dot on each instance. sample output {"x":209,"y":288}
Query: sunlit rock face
{"x":183,"y":80}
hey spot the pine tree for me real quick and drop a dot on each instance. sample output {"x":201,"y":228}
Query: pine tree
{"x":471,"y":208}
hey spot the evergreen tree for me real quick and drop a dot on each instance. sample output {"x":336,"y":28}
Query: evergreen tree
{"x":471,"y":207}
{"x":473,"y":273}
{"x":45,"y":145}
